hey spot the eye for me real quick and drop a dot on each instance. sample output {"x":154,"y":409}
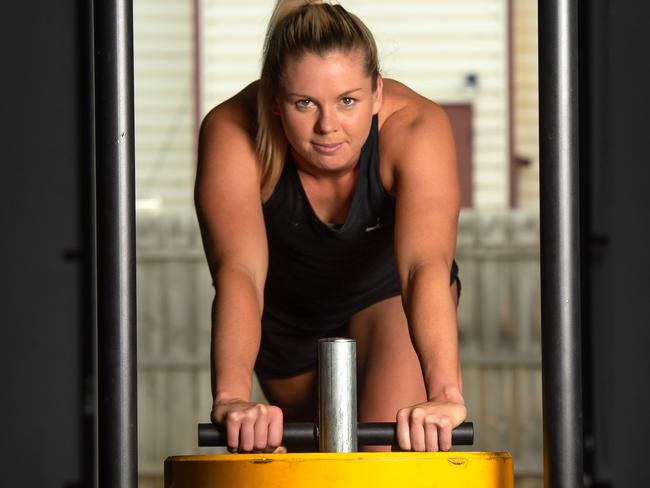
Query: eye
{"x":347,"y":101}
{"x":304,"y":103}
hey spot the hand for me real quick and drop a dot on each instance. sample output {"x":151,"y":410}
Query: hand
{"x":427,"y":426}
{"x":250,"y":426}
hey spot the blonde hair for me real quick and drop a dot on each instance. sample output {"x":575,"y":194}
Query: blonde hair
{"x":298,"y":27}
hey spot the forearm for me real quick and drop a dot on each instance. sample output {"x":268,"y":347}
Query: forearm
{"x":431,"y":312}
{"x":236,"y":331}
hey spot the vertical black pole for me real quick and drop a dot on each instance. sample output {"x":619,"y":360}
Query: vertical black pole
{"x":115,"y":213}
{"x":560,"y":243}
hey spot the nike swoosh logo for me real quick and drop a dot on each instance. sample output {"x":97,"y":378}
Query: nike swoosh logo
{"x":374,"y":227}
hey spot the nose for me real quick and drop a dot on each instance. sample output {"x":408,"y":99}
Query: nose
{"x":327,"y":121}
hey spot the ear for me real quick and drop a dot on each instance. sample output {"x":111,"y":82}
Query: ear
{"x":378,"y":95}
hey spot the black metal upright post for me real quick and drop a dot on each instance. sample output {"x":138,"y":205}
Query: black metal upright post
{"x":115,"y":214}
{"x":560,"y":243}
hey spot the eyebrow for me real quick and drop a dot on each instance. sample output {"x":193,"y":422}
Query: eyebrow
{"x":345,"y":93}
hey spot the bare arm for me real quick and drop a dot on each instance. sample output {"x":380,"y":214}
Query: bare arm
{"x":228,"y":203}
{"x":427,"y":192}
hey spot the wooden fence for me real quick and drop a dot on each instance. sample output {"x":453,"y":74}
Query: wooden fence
{"x":498,"y":319}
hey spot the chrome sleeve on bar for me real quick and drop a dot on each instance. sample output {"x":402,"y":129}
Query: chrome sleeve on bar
{"x":337,"y":394}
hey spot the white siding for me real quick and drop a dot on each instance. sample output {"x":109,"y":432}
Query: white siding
{"x":526,"y":123}
{"x":164,"y":119}
{"x":231,"y":45}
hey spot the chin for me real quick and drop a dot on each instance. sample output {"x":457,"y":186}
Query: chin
{"x":332,"y":164}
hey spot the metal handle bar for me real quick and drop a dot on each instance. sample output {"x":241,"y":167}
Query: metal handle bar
{"x":306,"y":434}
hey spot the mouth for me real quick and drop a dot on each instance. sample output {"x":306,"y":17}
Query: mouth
{"x":327,"y":148}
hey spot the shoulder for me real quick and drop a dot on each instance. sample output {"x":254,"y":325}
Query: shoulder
{"x":239,"y":111}
{"x":405,"y":111}
{"x":226,"y":149}
{"x":227,"y":132}
{"x":413,"y":131}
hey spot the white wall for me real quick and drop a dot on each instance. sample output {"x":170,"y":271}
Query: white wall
{"x":164,"y":120}
{"x":526,"y":100}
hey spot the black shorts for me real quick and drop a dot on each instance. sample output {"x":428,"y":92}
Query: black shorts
{"x":287,"y":351}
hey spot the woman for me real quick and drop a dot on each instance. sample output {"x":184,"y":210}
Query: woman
{"x":328,"y":201}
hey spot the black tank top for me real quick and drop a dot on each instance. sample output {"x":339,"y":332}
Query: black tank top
{"x":318,"y":276}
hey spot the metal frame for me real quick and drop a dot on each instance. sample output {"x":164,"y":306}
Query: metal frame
{"x":560,"y":243}
{"x":115,"y":226}
{"x":560,"y":258}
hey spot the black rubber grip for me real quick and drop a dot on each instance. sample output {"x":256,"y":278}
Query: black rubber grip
{"x":294,"y":434}
{"x":306,"y":434}
{"x":383,"y":434}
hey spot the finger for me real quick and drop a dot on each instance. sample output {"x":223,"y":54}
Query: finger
{"x":444,"y":433}
{"x":246,"y":435}
{"x":261,"y":428}
{"x":431,"y":433}
{"x":233,"y":421}
{"x":403,"y":432}
{"x":275,"y":418}
{"x":275,"y":450}
{"x":418,"y":442}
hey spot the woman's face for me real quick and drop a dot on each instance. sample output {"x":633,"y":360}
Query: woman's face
{"x":326,"y":106}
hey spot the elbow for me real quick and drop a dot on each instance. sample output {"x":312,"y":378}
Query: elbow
{"x":438,"y":266}
{"x":236,"y":276}
{"x":425,"y":278}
